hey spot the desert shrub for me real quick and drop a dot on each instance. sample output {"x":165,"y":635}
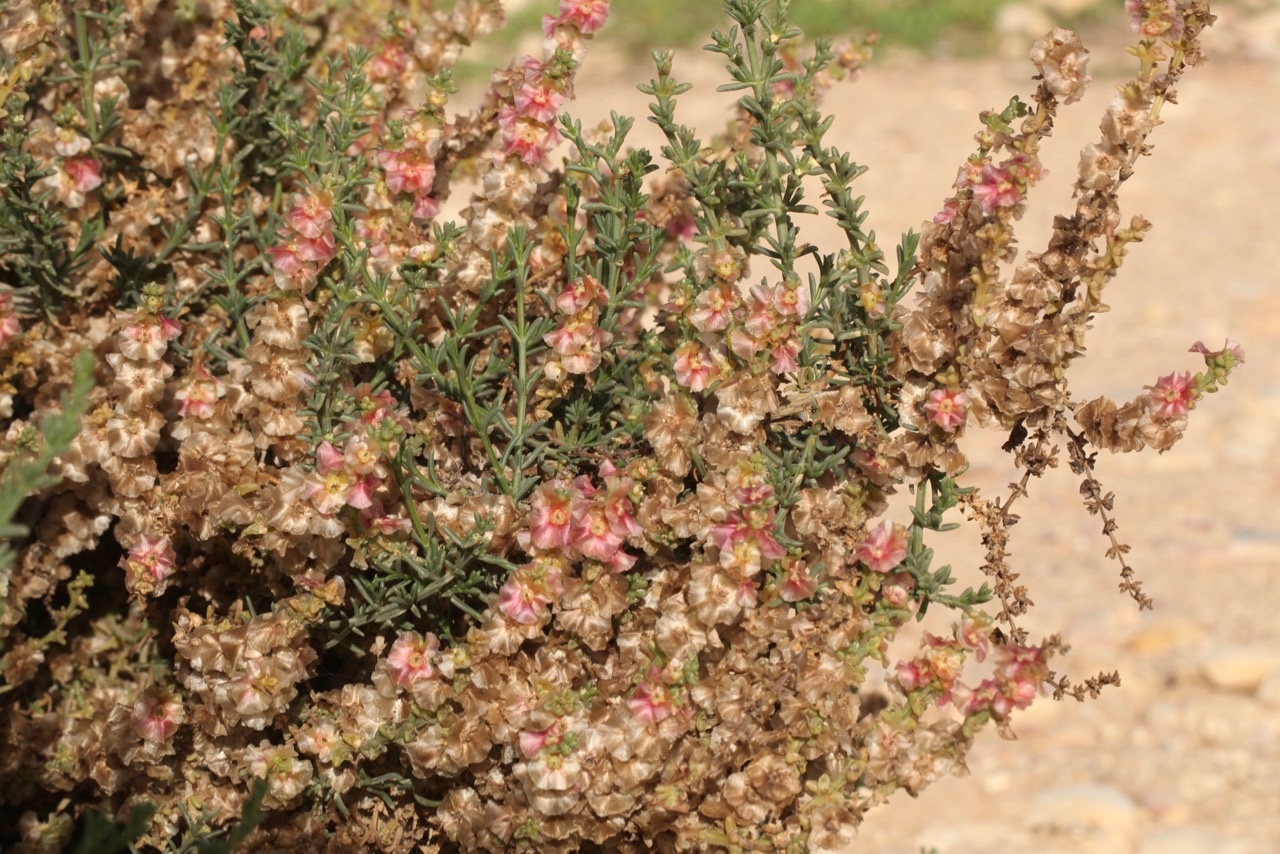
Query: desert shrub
{"x":562,"y":522}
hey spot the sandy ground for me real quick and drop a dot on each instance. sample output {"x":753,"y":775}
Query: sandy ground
{"x":1185,"y":756}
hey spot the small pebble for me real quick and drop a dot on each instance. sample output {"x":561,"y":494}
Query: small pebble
{"x":1240,"y":668}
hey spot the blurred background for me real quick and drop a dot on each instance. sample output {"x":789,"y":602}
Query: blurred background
{"x":1184,"y":757}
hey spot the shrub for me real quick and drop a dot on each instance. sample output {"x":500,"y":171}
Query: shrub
{"x":561,"y":523}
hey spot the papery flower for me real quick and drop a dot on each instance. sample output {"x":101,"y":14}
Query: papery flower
{"x":1063,"y":62}
{"x":285,"y":773}
{"x":410,"y":171}
{"x":996,"y":188}
{"x":695,"y":369}
{"x":948,"y":211}
{"x":146,"y":336}
{"x":587,"y":15}
{"x":884,"y":548}
{"x":947,"y":407}
{"x":411,"y":657}
{"x":551,"y":516}
{"x":651,"y":702}
{"x":85,"y":173}
{"x":157,"y":714}
{"x":148,"y":565}
{"x":311,"y":215}
{"x":790,"y":300}
{"x":1219,"y":362}
{"x":531,"y":743}
{"x":70,"y":143}
{"x":796,"y":582}
{"x":595,"y":535}
{"x":1230,"y":347}
{"x":529,"y":590}
{"x":786,"y":356}
{"x":200,"y":394}
{"x":580,"y":294}
{"x":540,"y":101}
{"x":10,"y":327}
{"x":322,"y":740}
{"x":580,"y":342}
{"x":1155,"y":18}
{"x":526,"y":137}
{"x":1173,"y":395}
{"x":713,"y":308}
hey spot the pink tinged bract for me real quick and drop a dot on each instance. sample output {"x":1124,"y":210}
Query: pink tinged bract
{"x":410,"y":659}
{"x":947,"y":407}
{"x":1173,"y":395}
{"x":884,"y":548}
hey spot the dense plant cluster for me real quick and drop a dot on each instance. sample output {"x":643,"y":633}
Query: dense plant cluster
{"x":564,"y":521}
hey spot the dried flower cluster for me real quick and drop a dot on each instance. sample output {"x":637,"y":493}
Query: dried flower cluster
{"x":562,"y":523}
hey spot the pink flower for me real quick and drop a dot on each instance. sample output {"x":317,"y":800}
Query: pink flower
{"x":884,"y":548}
{"x":652,"y":701}
{"x":148,"y":564}
{"x":996,"y":189}
{"x":579,"y":342}
{"x":785,"y":355}
{"x":391,"y":61}
{"x":533,"y":742}
{"x":85,"y":172}
{"x":579,"y":295}
{"x":200,"y":395}
{"x":521,"y":603}
{"x":311,"y":216}
{"x":588,"y":16}
{"x":157,"y":714}
{"x":286,"y":259}
{"x":410,"y":658}
{"x":146,"y":336}
{"x":947,"y":408}
{"x":790,"y":301}
{"x":1173,"y":395}
{"x":316,"y":250}
{"x":525,"y":137}
{"x":947,"y":213}
{"x":595,"y":535}
{"x":551,"y":516}
{"x":539,"y":101}
{"x":1155,"y":18}
{"x":746,"y":543}
{"x":408,"y":171}
{"x":375,"y":518}
{"x":713,"y":308}
{"x":912,"y":674}
{"x":797,"y":582}
{"x":425,"y":209}
{"x":10,"y":328}
{"x":530,"y":589}
{"x":328,"y":458}
{"x":694,"y":367}
{"x":1236,"y":351}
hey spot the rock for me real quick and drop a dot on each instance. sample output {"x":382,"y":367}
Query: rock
{"x":1194,"y":840}
{"x":1161,"y":634}
{"x":1269,"y":691}
{"x":1020,"y":24}
{"x":1066,"y":8}
{"x":1240,"y":668}
{"x":972,"y":838}
{"x":1023,"y":20}
{"x":1084,"y":808}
